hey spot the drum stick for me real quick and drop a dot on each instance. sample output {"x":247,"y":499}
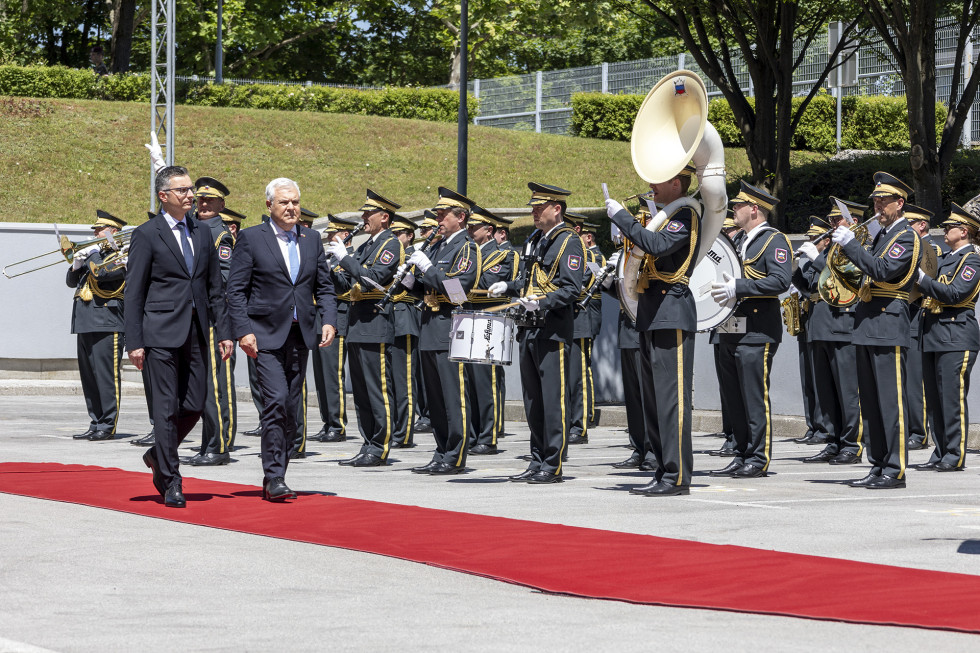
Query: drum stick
{"x":494,"y":309}
{"x":479,"y":291}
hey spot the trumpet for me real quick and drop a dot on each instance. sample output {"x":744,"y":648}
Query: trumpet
{"x":400,"y":274}
{"x":67,"y":251}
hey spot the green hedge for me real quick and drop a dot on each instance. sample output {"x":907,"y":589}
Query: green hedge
{"x":60,"y":82}
{"x":867,"y":123}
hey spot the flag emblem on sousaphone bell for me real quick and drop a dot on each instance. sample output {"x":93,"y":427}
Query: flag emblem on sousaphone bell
{"x":679,"y":87}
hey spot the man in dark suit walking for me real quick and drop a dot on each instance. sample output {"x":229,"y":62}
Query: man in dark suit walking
{"x":278,"y":269}
{"x":174,"y":293}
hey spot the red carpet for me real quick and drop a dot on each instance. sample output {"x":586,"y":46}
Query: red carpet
{"x":620,"y":566}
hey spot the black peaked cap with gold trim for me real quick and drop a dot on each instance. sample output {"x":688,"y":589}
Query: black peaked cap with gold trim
{"x":960,"y":217}
{"x":342,"y":224}
{"x":481,"y":214}
{"x":543,"y":193}
{"x":401,"y":223}
{"x":210,"y":187}
{"x":106,"y":219}
{"x":914,"y":213}
{"x":376,"y":202}
{"x":576,"y":219}
{"x":589,"y":228}
{"x":429,"y":220}
{"x":753,"y":195}
{"x":450,"y":199}
{"x":856,"y":210}
{"x":229,"y":216}
{"x":729,"y":222}
{"x":818,"y":226}
{"x":887,"y":185}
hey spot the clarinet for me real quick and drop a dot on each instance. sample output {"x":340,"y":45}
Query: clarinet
{"x":597,"y":285}
{"x":380,"y":306}
{"x":350,"y":236}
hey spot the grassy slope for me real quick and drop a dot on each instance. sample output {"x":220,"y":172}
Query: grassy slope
{"x":82,"y":155}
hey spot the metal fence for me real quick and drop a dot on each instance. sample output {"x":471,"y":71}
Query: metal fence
{"x":541,"y":101}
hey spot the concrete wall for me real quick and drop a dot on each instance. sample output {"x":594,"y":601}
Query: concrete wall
{"x":36,"y":320}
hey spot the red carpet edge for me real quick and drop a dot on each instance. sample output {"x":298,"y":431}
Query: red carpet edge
{"x":639,"y":569}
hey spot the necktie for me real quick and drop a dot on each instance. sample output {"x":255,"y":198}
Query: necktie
{"x":293,"y":255}
{"x":185,"y":245}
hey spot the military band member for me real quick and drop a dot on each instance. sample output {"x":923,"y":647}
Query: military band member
{"x":329,"y":362}
{"x":816,"y":431}
{"x":881,"y":330}
{"x":667,"y":320}
{"x":454,"y":257}
{"x":950,"y":339}
{"x":220,"y":417}
{"x":595,"y":317}
{"x":484,"y":384}
{"x":751,"y":336}
{"x":422,"y":423}
{"x":829,"y":335}
{"x":405,"y":350}
{"x":915,"y":392}
{"x":548,"y":286}
{"x":97,"y":320}
{"x":580,"y":396}
{"x":727,"y":449}
{"x":370,"y":332}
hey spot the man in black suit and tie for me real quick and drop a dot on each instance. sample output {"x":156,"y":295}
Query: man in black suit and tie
{"x":278,"y":269}
{"x":174,"y":293}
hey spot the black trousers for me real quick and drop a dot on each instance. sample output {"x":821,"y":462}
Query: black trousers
{"x":404,"y":362}
{"x":148,"y":393}
{"x":947,"y":382}
{"x":581,"y":397}
{"x":331,"y":392}
{"x":881,"y":384}
{"x":449,"y":411}
{"x":631,"y":365}
{"x":836,"y":385}
{"x":544,"y":376}
{"x":178,"y":380}
{"x":220,"y":418}
{"x":282,"y":381}
{"x":99,"y":368}
{"x":297,"y":441}
{"x":297,"y":438}
{"x":486,"y":410}
{"x":745,"y":377}
{"x":812,"y":412}
{"x":667,"y":360}
{"x":915,"y":393}
{"x":724,"y":397}
{"x":371,"y":384}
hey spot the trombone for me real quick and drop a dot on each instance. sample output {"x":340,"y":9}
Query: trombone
{"x":66,"y":252}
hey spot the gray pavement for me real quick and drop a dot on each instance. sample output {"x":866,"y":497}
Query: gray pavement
{"x":74,"y":578}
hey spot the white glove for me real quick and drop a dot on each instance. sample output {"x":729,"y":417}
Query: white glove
{"x":842,"y":235}
{"x":156,"y":154}
{"x":409,"y":281}
{"x":78,"y":260}
{"x":124,"y":261}
{"x":497,"y":288}
{"x":617,"y":235}
{"x":921,"y":275}
{"x":808,"y":250}
{"x":613,"y":207}
{"x":609,"y":281}
{"x":530,"y":305}
{"x":419,"y":260}
{"x":337,"y":250}
{"x":723,"y":292}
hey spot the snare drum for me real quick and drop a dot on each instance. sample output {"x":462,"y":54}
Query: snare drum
{"x":481,"y":337}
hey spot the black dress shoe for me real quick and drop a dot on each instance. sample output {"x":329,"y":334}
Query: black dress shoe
{"x":174,"y":498}
{"x":351,"y":461}
{"x":84,"y":436}
{"x":150,"y":461}
{"x":819,"y":438}
{"x":946,"y":467}
{"x":523,"y":476}
{"x":648,"y":466}
{"x":190,"y":460}
{"x":915,"y":444}
{"x":927,"y":466}
{"x":445,"y":469}
{"x":543,"y":478}
{"x":147,"y":440}
{"x":864,"y":482}
{"x":578,"y":439}
{"x":402,"y":445}
{"x":805,"y":438}
{"x":822,"y":457}
{"x":293,"y":455}
{"x":727,"y":450}
{"x":102,"y":435}
{"x":633,"y":462}
{"x":425,"y":469}
{"x":885,"y":482}
{"x":845,"y":458}
{"x":422,"y":425}
{"x":257,"y":431}
{"x":276,"y":490}
{"x":484,"y":450}
{"x":211,"y":459}
{"x":368,"y":460}
{"x":660,"y":489}
{"x":334,"y":435}
{"x":749,"y":471}
{"x":727,"y":470}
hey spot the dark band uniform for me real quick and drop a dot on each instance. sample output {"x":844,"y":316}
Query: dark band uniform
{"x":595,"y":320}
{"x":666,"y":319}
{"x":551,"y":269}
{"x":98,"y":321}
{"x":404,"y":352}
{"x":422,"y":424}
{"x":950,"y":341}
{"x":580,"y":392}
{"x":828,"y":335}
{"x":747,"y":353}
{"x":816,"y":430}
{"x":370,"y":334}
{"x":881,"y":333}
{"x":454,"y":257}
{"x":484,"y":383}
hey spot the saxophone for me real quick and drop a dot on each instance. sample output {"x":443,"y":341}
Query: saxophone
{"x":791,"y":314}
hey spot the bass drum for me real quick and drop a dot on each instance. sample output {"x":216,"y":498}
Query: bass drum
{"x":719,"y":260}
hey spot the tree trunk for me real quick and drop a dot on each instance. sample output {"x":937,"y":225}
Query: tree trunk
{"x":920,"y":90}
{"x":455,"y":68}
{"x":123,"y":26}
